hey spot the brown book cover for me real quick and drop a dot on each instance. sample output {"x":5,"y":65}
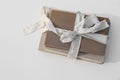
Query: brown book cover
{"x":91,"y":50}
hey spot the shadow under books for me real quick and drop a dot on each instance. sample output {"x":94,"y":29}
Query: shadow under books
{"x":113,"y":44}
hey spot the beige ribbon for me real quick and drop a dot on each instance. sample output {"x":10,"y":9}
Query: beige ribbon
{"x":84,"y":27}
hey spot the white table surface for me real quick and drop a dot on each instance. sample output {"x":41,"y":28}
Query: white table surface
{"x":19,"y":55}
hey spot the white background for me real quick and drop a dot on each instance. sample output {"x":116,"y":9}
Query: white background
{"x":19,"y":55}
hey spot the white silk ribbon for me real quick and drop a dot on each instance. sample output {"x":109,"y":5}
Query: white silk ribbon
{"x":84,"y":27}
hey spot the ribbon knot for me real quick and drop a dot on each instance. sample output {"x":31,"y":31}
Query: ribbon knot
{"x":84,"y":27}
{"x":68,"y":36}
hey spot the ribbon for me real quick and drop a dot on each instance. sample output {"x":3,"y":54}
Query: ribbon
{"x":84,"y":27}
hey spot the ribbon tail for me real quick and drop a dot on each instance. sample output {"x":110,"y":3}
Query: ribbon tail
{"x":31,"y":29}
{"x":44,"y":25}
